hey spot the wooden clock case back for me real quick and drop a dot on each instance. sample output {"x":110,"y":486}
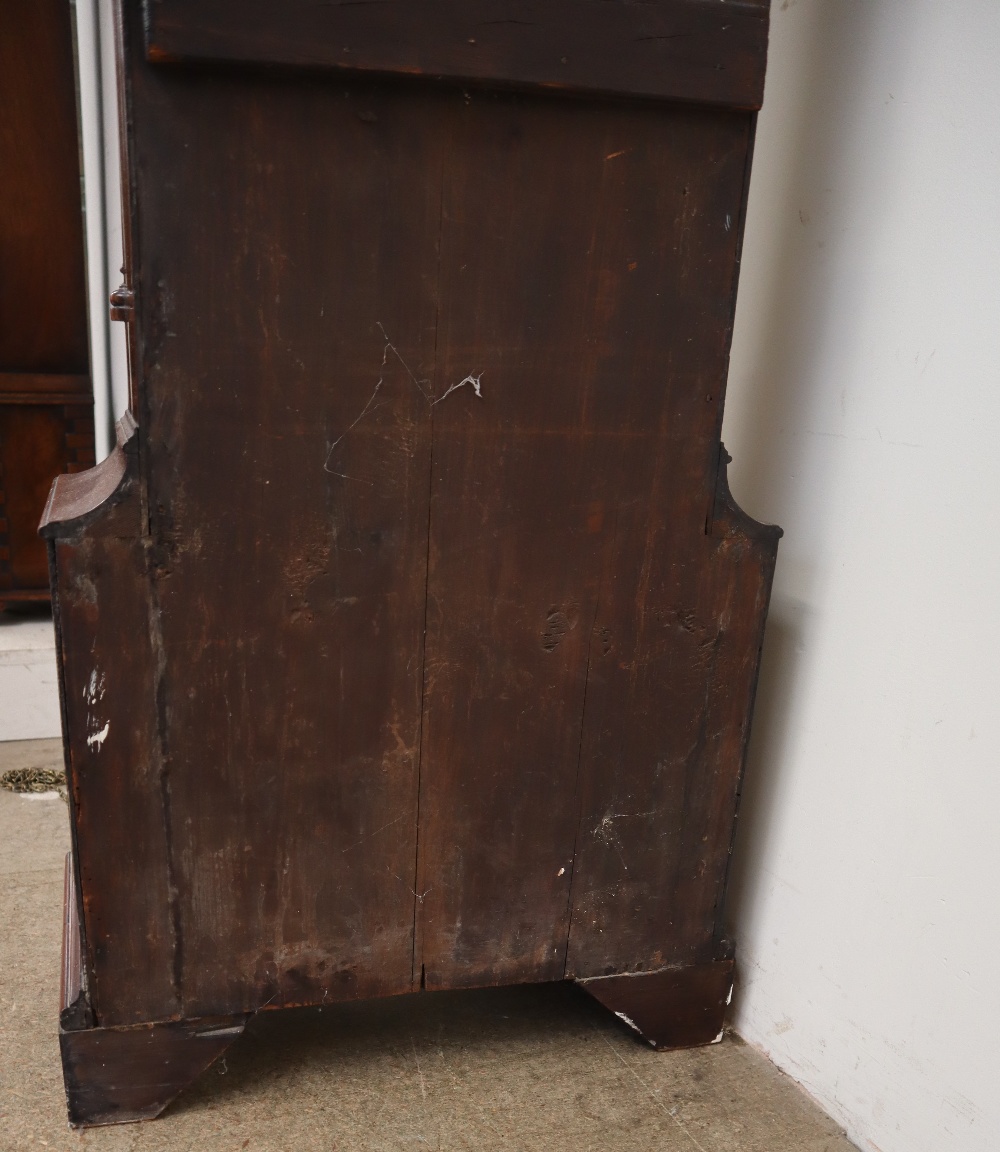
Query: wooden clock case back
{"x":408,"y":639}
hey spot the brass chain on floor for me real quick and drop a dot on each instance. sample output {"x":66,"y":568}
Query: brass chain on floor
{"x":34,"y":780}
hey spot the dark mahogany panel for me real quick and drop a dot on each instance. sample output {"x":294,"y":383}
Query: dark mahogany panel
{"x":119,"y":793}
{"x":121,"y":1075}
{"x":37,"y":442}
{"x":43,"y":291}
{"x":703,"y":51}
{"x":587,"y":282}
{"x":46,"y":418}
{"x":287,"y":249}
{"x":679,"y":1007}
{"x":673,"y":670}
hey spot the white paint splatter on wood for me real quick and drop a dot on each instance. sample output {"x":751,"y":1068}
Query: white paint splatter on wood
{"x":98,"y":738}
{"x":629,"y":1021}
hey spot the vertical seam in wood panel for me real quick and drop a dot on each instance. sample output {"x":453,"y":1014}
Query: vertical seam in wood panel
{"x":578,"y":788}
{"x":427,"y":582}
{"x":163,"y":774}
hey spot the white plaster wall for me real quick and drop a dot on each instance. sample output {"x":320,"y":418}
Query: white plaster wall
{"x":29,"y":679}
{"x":863,"y":415}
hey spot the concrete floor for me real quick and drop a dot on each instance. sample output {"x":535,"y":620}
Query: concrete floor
{"x":29,"y":680}
{"x":541,"y":1067}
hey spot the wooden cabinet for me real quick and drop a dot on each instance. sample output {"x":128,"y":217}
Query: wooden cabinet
{"x":409,"y":638}
{"x":46,"y":400}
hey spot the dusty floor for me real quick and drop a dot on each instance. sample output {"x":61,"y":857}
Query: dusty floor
{"x":531,"y":1068}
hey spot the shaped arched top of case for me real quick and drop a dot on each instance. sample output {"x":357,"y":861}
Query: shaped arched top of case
{"x":728,"y":516}
{"x":76,"y":500}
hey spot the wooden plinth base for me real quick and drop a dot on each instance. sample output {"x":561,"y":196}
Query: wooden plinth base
{"x":670,"y":1008}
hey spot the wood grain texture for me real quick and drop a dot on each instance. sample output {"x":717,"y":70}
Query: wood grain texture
{"x":37,"y":442}
{"x":680,"y":1007}
{"x":668,"y":711}
{"x":46,"y":422}
{"x":44,"y":388}
{"x":118,"y":793}
{"x":292,"y":752}
{"x":703,"y":51}
{"x":440,"y":627}
{"x":43,"y":301}
{"x":120,"y":1075}
{"x":571,"y":238}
